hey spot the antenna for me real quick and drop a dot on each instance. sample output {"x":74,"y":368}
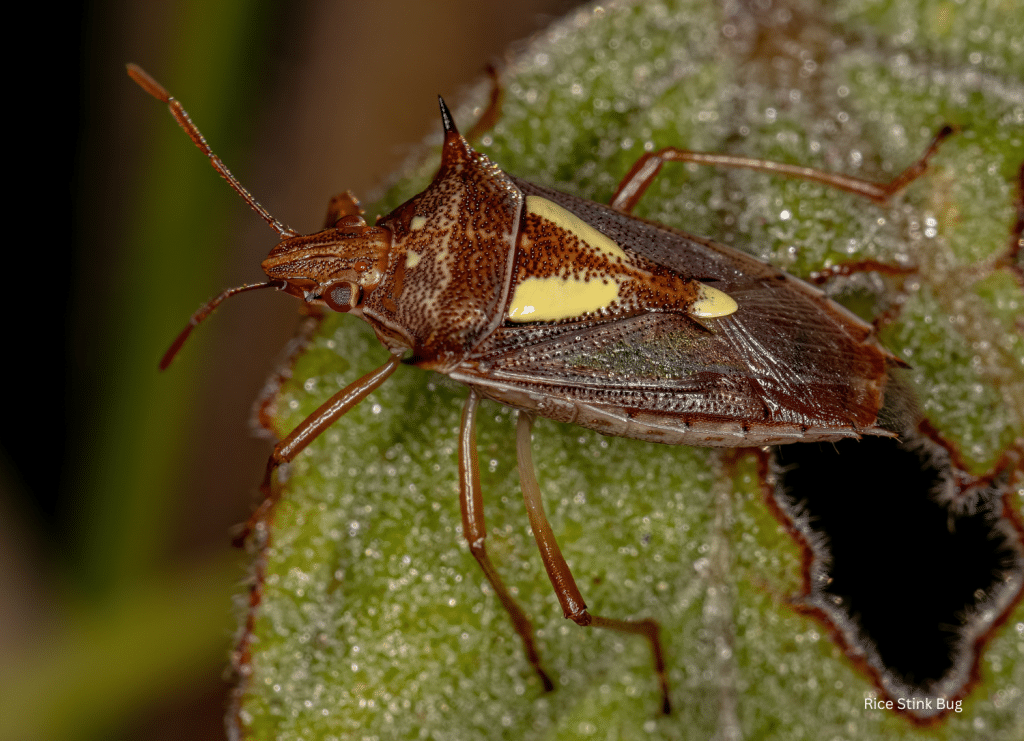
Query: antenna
{"x":158,"y":91}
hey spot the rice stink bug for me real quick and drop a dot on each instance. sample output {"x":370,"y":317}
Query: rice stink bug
{"x":579,"y":312}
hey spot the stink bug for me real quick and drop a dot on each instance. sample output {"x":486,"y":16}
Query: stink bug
{"x":579,"y":312}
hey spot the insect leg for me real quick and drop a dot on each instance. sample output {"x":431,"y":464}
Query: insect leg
{"x":1012,"y":258}
{"x":492,"y":113}
{"x":561,"y":577}
{"x":307,"y":431}
{"x":343,"y":204}
{"x":639,"y":178}
{"x":475,"y":531}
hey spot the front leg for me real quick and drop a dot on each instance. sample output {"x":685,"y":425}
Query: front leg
{"x":307,"y":431}
{"x":342,"y":205}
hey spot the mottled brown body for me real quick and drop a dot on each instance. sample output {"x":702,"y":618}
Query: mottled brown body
{"x":451,"y":259}
{"x":786,"y":365}
{"x":579,"y":312}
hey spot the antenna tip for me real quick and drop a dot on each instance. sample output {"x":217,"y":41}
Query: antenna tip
{"x":147,"y":83}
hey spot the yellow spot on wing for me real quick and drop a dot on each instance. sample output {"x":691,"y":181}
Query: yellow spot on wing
{"x":418,"y":222}
{"x":711,"y":302}
{"x":574,"y":224}
{"x":552,"y":299}
{"x":412,"y":259}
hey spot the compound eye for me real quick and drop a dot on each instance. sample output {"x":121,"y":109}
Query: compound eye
{"x":343,"y":296}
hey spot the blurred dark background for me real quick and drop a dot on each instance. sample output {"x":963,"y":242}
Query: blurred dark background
{"x":118,"y":484}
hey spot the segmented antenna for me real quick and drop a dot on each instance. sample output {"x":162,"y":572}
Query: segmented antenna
{"x":158,"y":91}
{"x":204,"y":311}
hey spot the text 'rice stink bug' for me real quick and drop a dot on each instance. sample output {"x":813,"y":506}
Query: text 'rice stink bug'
{"x":579,"y":312}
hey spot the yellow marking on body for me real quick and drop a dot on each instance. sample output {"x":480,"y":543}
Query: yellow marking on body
{"x":711,"y":302}
{"x":575,"y":225}
{"x":412,"y":259}
{"x":552,"y":299}
{"x":418,"y":222}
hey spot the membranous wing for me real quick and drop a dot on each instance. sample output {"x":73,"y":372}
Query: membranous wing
{"x":669,"y":363}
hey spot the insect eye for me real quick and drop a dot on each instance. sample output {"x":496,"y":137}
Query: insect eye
{"x":343,"y":296}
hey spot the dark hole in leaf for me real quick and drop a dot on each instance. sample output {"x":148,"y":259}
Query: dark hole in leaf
{"x":906,"y":555}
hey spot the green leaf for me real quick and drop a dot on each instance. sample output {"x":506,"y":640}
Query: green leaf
{"x":375,"y":621}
